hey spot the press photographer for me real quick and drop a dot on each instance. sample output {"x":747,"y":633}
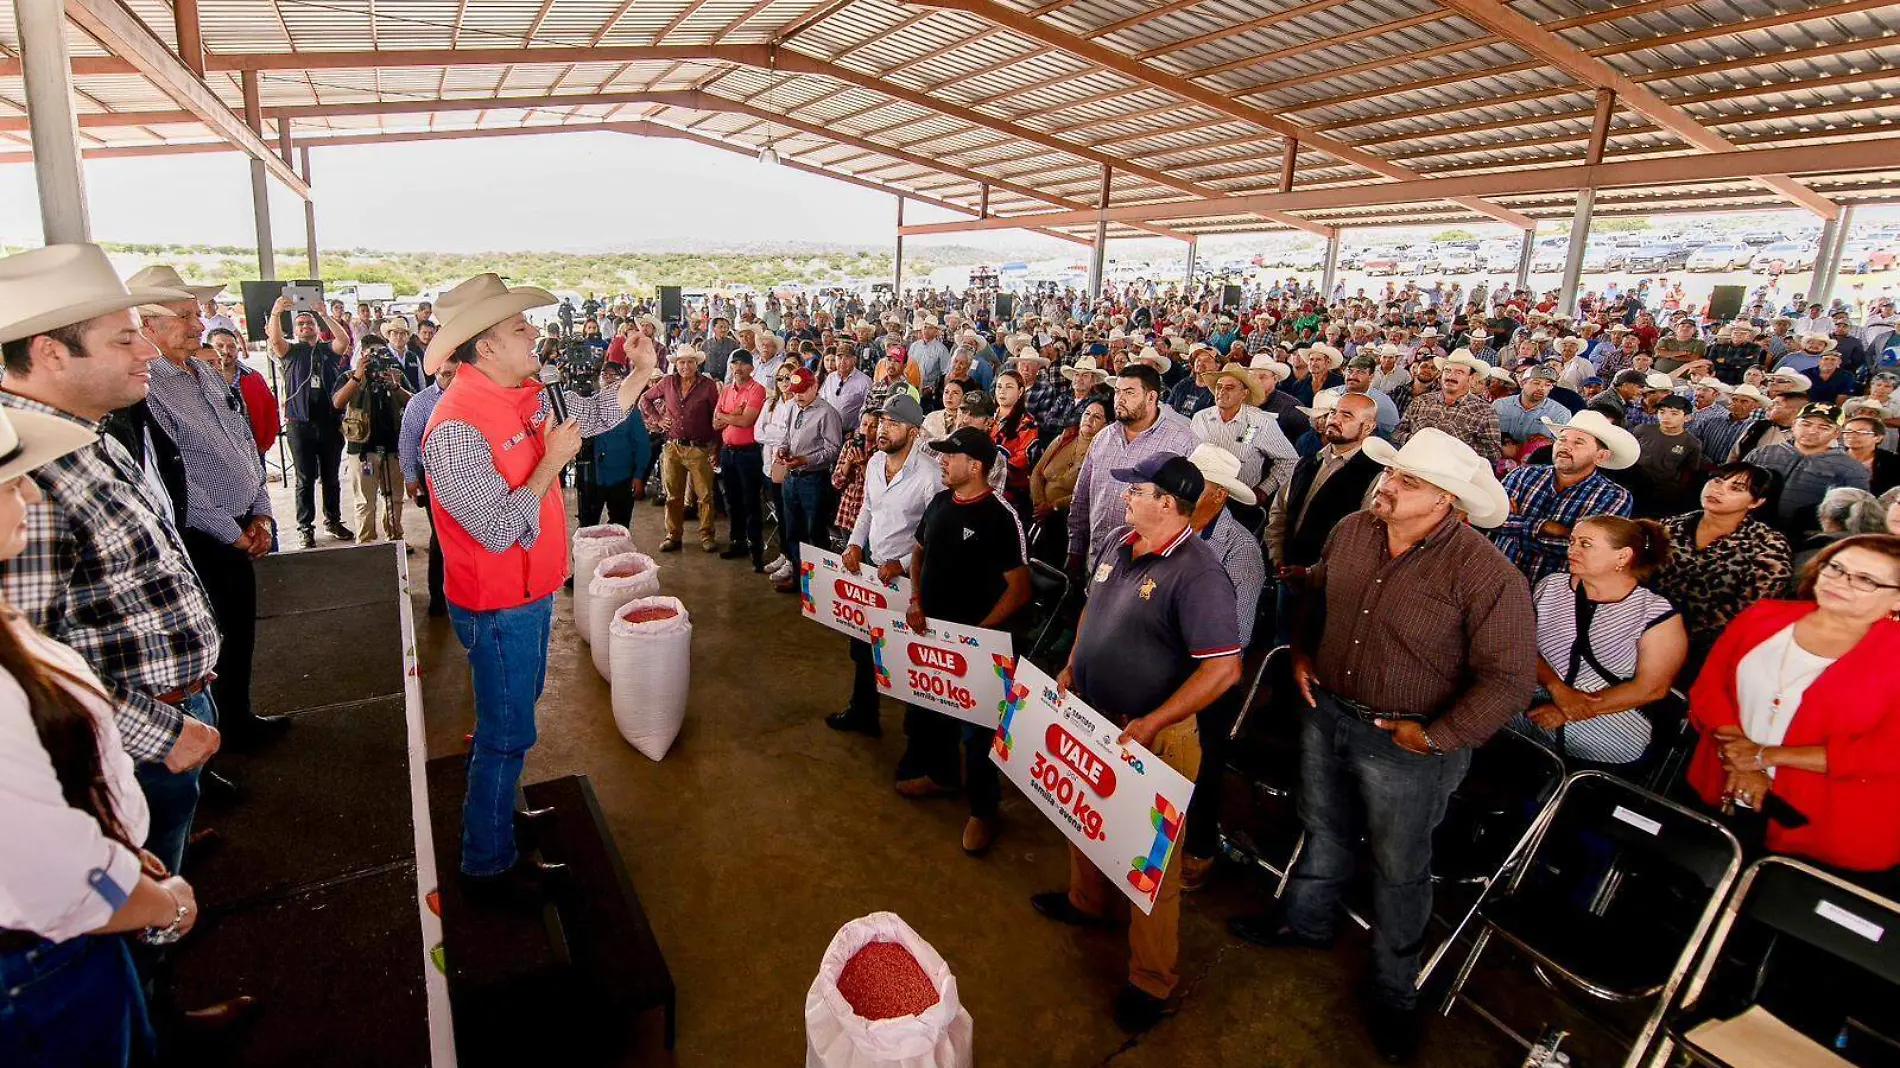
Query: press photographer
{"x":371,"y":399}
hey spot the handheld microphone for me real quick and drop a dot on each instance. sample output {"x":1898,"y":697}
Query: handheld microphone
{"x":557,"y":400}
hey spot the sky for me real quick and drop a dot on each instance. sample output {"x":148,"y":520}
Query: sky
{"x":566,"y":192}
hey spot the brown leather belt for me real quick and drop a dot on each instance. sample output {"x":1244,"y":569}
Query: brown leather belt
{"x":185,"y":692}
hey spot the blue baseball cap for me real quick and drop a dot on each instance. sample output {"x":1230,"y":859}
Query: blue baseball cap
{"x":1175,"y":475}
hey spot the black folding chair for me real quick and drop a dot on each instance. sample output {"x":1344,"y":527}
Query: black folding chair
{"x":1264,"y":752}
{"x":1050,"y":593}
{"x":1672,"y":741}
{"x":1819,"y":953}
{"x":1614,"y":897}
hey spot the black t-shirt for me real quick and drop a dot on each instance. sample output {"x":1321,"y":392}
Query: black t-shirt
{"x":968,"y":547}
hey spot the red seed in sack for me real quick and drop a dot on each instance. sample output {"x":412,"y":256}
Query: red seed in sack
{"x":883,"y":981}
{"x":648,"y":615}
{"x":597,"y":534}
{"x":626,"y":570}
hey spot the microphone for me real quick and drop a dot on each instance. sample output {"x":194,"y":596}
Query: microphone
{"x":557,"y":400}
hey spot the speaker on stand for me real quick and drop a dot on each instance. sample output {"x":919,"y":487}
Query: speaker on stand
{"x":671,"y":308}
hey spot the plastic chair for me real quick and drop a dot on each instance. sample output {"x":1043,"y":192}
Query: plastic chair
{"x":1615,"y":895}
{"x":1820,"y":953}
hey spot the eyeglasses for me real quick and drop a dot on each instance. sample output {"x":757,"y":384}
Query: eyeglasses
{"x":1856,"y":581}
{"x":1861,"y":434}
{"x":1138,"y":491}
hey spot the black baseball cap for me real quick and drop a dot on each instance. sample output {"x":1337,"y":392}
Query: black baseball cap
{"x":968,"y":441}
{"x":1827,"y":412}
{"x":1680,"y":404}
{"x":978,"y":403}
{"x":740,"y":356}
{"x":1175,"y":475}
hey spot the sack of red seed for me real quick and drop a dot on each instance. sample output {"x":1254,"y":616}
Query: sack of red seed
{"x":885,"y":999}
{"x":651,"y":672}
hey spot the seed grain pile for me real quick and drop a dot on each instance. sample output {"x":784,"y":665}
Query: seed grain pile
{"x":883,"y":981}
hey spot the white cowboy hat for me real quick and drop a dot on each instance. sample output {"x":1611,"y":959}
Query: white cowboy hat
{"x":1828,"y":344}
{"x":63,"y":285}
{"x":396,"y":322}
{"x":924,"y":321}
{"x":1430,"y":331}
{"x":1463,"y":358}
{"x":1334,"y":357}
{"x":1570,"y":339}
{"x":686,"y":352}
{"x":1085,"y":365}
{"x":1280,"y":371}
{"x":1621,"y":443}
{"x":1802,"y":383}
{"x":29,"y":440}
{"x":1746,"y":390}
{"x":753,"y":328}
{"x":1741,"y":324}
{"x":1152,"y":357}
{"x":1389,"y":349}
{"x":1326,"y":401}
{"x":1656,"y":381}
{"x":1117,"y":334}
{"x":1222,"y":468}
{"x":1442,"y":460}
{"x":1030,"y":355}
{"x":1715,"y":384}
{"x":1012,"y":342}
{"x":473,"y":307}
{"x":652,"y":321}
{"x":164,"y":276}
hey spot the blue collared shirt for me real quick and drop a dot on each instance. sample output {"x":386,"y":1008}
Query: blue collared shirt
{"x":1516,"y":423}
{"x":224,"y":477}
{"x":415,"y":420}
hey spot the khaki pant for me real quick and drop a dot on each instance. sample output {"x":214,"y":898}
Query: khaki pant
{"x":1154,"y":940}
{"x":378,"y":475}
{"x":678,"y":463}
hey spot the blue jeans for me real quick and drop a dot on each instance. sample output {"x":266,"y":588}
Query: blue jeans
{"x":1346,"y":765}
{"x":508,"y":662}
{"x":74,"y":1002}
{"x":172,"y":796}
{"x":802,"y":520}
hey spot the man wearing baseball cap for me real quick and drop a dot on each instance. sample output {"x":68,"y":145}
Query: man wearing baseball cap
{"x":813,"y":437}
{"x":1157,"y":643}
{"x":492,"y":456}
{"x":1809,"y":466}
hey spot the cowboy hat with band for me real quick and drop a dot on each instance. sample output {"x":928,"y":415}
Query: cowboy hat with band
{"x":472,"y":308}
{"x":65,"y":285}
{"x":1222,"y":468}
{"x":1433,"y":456}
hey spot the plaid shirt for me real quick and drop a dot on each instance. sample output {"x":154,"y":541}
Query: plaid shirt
{"x":1471,"y":420}
{"x":104,"y":571}
{"x":1536,"y":500}
{"x":1050,"y":400}
{"x":847,"y":477}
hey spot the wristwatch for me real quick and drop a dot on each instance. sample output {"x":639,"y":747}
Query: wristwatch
{"x":1429,"y":744}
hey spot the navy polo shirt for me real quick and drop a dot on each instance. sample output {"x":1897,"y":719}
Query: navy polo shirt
{"x":1150,"y":623}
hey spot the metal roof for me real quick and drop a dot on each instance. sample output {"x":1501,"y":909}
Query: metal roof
{"x":1180,"y":97}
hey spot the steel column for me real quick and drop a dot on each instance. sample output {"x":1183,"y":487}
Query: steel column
{"x":1332,"y":267}
{"x":1824,"y":252}
{"x":1289,"y":159}
{"x":1098,"y":256}
{"x":1827,"y":271}
{"x":310,"y":220}
{"x":191,"y":45}
{"x":1193,"y":256}
{"x":897,"y":279}
{"x":1524,"y":259}
{"x":46,"y":67}
{"x":983,"y":207}
{"x":260,"y":183}
{"x":1573,"y":256}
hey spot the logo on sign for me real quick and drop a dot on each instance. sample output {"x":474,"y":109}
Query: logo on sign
{"x":848,"y":591}
{"x":1080,"y":759}
{"x":945,"y":660}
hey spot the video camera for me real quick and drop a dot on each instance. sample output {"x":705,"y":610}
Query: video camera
{"x":378,"y":361}
{"x":580,"y":365}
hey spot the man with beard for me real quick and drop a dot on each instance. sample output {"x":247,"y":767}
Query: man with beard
{"x":1143,"y":427}
{"x":313,"y":372}
{"x":1323,"y":489}
{"x":1548,"y":500}
{"x":1457,"y":409}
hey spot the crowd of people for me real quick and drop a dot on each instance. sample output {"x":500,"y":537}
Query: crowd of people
{"x":1461,"y":516}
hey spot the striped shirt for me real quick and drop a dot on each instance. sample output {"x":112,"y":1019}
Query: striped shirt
{"x":1098,"y":507}
{"x":1242,"y":559}
{"x":224,"y":476}
{"x":1608,"y":643}
{"x":104,"y":572}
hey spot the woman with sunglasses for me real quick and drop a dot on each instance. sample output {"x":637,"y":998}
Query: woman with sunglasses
{"x":1799,"y":713}
{"x":771,"y":429}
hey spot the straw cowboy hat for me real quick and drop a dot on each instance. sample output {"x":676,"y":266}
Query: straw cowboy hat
{"x":1280,"y":370}
{"x":1715,"y":384}
{"x":1028,"y":354}
{"x":1434,"y":456}
{"x":1463,"y":358}
{"x":1621,"y":443}
{"x":1746,"y":390}
{"x":927,"y":322}
{"x":396,"y":322}
{"x":686,"y":352}
{"x":164,"y":276}
{"x":63,"y":285}
{"x":1255,"y":391}
{"x":1802,"y":383}
{"x":1153,"y":358}
{"x":473,"y":307}
{"x":1334,"y":357}
{"x":1085,"y":365}
{"x":1657,"y":382}
{"x":29,"y":440}
{"x":653,"y":321}
{"x":1828,"y":344}
{"x":1222,"y":468}
{"x":1326,"y":401}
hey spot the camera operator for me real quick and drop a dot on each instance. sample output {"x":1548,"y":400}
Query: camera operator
{"x":371,"y":399}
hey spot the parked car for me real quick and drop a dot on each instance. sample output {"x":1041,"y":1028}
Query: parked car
{"x":1458,"y":261}
{"x":1662,"y":257}
{"x":1383,"y":263}
{"x":1500,"y":258}
{"x":1791,"y":255}
{"x":1548,"y":259}
{"x":1860,"y":257}
{"x":1721,"y":256}
{"x":1599,"y":259}
{"x":1759,"y":238}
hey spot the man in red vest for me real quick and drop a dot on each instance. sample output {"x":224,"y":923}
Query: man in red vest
{"x":493,"y":457}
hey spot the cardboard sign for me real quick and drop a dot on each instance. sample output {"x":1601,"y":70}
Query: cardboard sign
{"x":960,"y":671}
{"x":840,"y":600}
{"x":1120,"y":805}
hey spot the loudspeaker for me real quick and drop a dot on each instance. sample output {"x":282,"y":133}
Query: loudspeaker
{"x":670,"y":310}
{"x":258,"y":298}
{"x":1004,"y":308}
{"x":1725,"y":302}
{"x":1230,"y":298}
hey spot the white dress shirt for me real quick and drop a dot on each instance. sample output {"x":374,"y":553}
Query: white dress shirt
{"x":49,"y":849}
{"x":1254,"y":437}
{"x":887,"y":524}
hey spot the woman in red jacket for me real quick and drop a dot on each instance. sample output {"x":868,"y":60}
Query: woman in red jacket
{"x":1801,"y":699}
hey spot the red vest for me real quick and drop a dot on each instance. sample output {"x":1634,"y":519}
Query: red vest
{"x":509,"y":420}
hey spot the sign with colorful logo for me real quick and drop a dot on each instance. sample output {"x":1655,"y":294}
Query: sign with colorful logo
{"x":840,"y":600}
{"x":965,"y":672}
{"x":1119,"y":804}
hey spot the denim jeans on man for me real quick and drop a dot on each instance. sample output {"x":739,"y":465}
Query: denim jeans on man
{"x":508,"y":663}
{"x":1347,"y":764}
{"x":803,"y":519}
{"x":76,"y":1002}
{"x":172,"y":797}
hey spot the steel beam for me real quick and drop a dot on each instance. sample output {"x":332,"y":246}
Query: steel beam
{"x":115,"y":26}
{"x":191,"y":44}
{"x":1098,"y":256}
{"x":1524,"y":259}
{"x":1823,"y":285}
{"x":57,"y":170}
{"x":897,"y":278}
{"x":1573,"y":255}
{"x":260,"y":184}
{"x":1332,"y":267}
{"x":311,"y":258}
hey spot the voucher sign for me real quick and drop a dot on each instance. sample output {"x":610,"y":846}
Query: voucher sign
{"x":1119,"y":804}
{"x":960,"y":671}
{"x":838,"y":599}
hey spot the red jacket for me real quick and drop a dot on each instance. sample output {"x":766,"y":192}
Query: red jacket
{"x":1852,"y":708}
{"x":261,"y":405}
{"x":510,"y":421}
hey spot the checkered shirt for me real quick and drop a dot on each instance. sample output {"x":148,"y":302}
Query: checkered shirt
{"x":224,"y":477}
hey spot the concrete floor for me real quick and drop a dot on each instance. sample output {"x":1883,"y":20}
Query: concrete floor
{"x":763,"y":831}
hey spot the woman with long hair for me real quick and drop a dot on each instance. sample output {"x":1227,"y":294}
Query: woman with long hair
{"x":774,"y":424}
{"x":1016,"y":431}
{"x":1052,"y":482}
{"x":73,"y":878}
{"x":1799,"y":713}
